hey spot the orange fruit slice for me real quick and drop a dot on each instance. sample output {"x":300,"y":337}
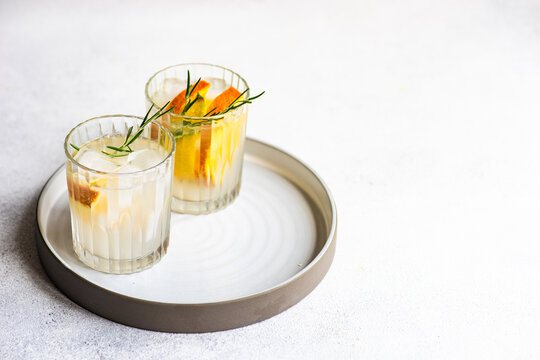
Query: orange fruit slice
{"x":223,"y":100}
{"x":206,"y":144}
{"x":180,"y":100}
{"x":82,"y":193}
{"x":220,"y":103}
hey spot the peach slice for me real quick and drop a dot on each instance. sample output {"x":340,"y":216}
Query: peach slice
{"x":180,"y":100}
{"x":223,"y":100}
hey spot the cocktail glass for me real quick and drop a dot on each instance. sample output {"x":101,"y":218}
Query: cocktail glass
{"x":120,"y":206}
{"x":209,"y":150}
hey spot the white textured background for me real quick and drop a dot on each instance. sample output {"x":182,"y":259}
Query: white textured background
{"x":422,"y":117}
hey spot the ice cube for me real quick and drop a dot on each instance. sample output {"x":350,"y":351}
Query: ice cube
{"x":217,"y":86}
{"x":144,"y":159}
{"x":97,"y":161}
{"x":171,"y":88}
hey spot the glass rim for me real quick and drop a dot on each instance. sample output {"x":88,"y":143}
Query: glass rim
{"x":196,"y":118}
{"x":72,"y":159}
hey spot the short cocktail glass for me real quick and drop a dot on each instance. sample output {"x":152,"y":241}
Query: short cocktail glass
{"x":209,"y":150}
{"x":120,"y":206}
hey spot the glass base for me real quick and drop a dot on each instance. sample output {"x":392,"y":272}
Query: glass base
{"x":204,"y":207}
{"x":112,"y":266}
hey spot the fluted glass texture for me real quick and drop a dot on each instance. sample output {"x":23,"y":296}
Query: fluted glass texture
{"x":209,"y":150}
{"x":120,"y":207}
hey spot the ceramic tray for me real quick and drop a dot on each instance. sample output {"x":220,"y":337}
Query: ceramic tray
{"x":244,"y":264}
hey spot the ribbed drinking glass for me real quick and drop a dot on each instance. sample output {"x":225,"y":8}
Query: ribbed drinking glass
{"x":209,"y":149}
{"x":120,"y":206}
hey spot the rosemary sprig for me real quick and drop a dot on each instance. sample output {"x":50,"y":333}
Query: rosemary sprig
{"x":234,"y":104}
{"x":189,"y":91}
{"x":190,"y":103}
{"x":125,"y":149}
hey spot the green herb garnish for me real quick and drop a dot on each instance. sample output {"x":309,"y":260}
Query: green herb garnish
{"x":189,"y":90}
{"x":125,"y":148}
{"x":234,"y":105}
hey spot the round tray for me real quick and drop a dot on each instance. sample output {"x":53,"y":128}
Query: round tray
{"x":244,"y":264}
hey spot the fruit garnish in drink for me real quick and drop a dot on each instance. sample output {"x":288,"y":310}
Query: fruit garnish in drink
{"x":83,"y":193}
{"x":205,"y":147}
{"x":223,"y":100}
{"x":191,"y":101}
{"x":220,"y":103}
{"x":195,"y":96}
{"x":229,"y":100}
